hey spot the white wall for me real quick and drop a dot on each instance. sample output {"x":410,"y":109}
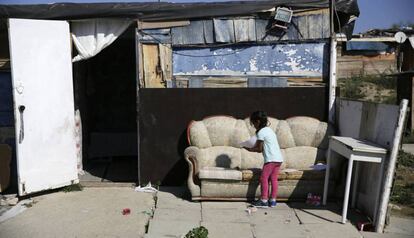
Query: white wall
{"x":374,"y":122}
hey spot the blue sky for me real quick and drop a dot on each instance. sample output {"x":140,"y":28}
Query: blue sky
{"x":374,"y":13}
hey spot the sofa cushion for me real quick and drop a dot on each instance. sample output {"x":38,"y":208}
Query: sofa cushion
{"x":286,"y":174}
{"x":302,"y":157}
{"x":251,"y":174}
{"x":305,"y":174}
{"x":217,"y":173}
{"x":219,"y":156}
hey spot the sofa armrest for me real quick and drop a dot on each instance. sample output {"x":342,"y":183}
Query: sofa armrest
{"x":190,"y":155}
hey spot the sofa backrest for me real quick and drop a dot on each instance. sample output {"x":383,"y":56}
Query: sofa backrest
{"x":228,"y":131}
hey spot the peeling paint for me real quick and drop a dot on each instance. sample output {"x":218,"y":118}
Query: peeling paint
{"x":306,"y":59}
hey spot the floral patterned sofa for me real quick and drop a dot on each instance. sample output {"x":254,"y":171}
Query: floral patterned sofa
{"x":220,"y":170}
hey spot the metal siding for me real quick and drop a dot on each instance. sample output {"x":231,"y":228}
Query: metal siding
{"x":188,"y":35}
{"x":326,"y":32}
{"x":303,"y":27}
{"x":245,"y":30}
{"x":156,"y":36}
{"x":224,"y":30}
{"x":315,"y":26}
{"x":208,"y":31}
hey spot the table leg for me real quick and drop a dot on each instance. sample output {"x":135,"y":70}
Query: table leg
{"x":355,"y":184}
{"x":326,"y":184}
{"x":347,"y":187}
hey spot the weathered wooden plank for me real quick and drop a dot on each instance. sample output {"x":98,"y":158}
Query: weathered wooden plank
{"x":209,"y":82}
{"x":312,"y":12}
{"x":306,"y":84}
{"x":267,"y":82}
{"x":165,"y":24}
{"x":315,"y":26}
{"x":180,"y":82}
{"x":188,"y":35}
{"x":303,"y":27}
{"x":225,"y":82}
{"x":326,"y":30}
{"x":140,"y":63}
{"x":312,"y":24}
{"x":245,"y":30}
{"x":195,"y":82}
{"x":152,"y":71}
{"x":303,"y":79}
{"x":166,"y":61}
{"x":208,"y":31}
{"x":224,"y":30}
{"x":261,"y":31}
{"x":292,"y":32}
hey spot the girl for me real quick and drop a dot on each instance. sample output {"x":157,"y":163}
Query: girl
{"x":268,"y":145}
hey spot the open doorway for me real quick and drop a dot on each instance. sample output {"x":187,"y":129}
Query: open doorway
{"x":105,"y":94}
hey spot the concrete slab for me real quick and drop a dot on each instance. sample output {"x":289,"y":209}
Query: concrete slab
{"x":399,"y":225}
{"x":179,"y":192}
{"x":170,"y":228}
{"x":164,"y":201}
{"x":93,"y":212}
{"x":408,"y":148}
{"x":280,"y":230}
{"x":224,"y":205}
{"x":225,"y":229}
{"x":282,"y":206}
{"x":384,"y":235}
{"x":308,"y":216}
{"x":273,"y":216}
{"x":225,"y":215}
{"x":330,"y":230}
{"x":175,"y":198}
{"x":177,"y":214}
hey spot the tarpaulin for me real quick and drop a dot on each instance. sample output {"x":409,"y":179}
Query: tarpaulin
{"x":163,"y":11}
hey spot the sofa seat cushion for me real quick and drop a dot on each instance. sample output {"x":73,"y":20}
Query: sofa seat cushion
{"x":285,"y":174}
{"x":305,"y":174}
{"x":251,"y":174}
{"x":219,"y":173}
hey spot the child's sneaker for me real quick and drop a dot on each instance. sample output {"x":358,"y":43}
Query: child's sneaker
{"x":260,"y":204}
{"x":272,"y":203}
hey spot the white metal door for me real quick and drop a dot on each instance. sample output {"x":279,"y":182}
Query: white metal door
{"x":43,"y":104}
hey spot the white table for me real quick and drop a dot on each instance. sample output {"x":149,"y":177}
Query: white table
{"x":353,"y":150}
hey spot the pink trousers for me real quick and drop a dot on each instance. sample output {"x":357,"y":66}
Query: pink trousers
{"x":270,"y":171}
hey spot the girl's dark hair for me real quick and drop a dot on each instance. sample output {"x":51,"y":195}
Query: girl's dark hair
{"x":260,"y":116}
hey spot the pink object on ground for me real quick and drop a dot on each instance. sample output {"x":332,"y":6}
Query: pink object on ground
{"x":126,"y":211}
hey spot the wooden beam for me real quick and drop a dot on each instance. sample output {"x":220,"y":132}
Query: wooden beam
{"x":165,"y":24}
{"x":165,"y":55}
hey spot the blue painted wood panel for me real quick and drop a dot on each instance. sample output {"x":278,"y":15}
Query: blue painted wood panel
{"x":307,"y":59}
